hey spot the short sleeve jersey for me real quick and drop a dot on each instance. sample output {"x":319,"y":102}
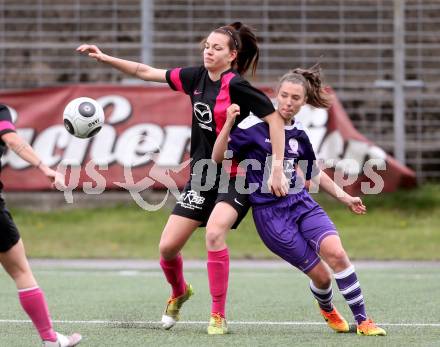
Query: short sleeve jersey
{"x":250,"y":140}
{"x":210,"y":100}
{"x":6,"y":126}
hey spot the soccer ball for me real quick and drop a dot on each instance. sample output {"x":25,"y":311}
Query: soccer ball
{"x":83,"y":117}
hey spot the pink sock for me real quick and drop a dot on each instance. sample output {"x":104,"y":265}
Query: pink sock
{"x":173,"y":270}
{"x":218,"y":276}
{"x":34,"y":304}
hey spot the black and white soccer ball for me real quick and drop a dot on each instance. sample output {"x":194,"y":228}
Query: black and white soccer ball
{"x":83,"y":117}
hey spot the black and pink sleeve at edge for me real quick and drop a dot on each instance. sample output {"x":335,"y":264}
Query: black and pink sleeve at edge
{"x":173,"y":79}
{"x":6,"y":125}
{"x":251,"y":98}
{"x":182,"y":79}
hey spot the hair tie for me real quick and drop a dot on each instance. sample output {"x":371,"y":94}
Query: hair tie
{"x":227,"y":31}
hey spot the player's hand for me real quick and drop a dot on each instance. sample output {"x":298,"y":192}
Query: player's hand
{"x":354,"y":203}
{"x":278,"y":183}
{"x":56,"y":179}
{"x":231,"y":114}
{"x":92,"y":51}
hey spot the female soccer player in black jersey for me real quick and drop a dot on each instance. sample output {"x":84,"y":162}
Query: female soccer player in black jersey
{"x":12,"y":253}
{"x":228,"y":52}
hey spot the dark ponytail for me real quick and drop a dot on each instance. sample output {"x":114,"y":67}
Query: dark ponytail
{"x":311,"y":80}
{"x":242,"y":39}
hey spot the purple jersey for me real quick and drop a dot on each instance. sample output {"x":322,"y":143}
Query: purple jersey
{"x":210,"y":99}
{"x":6,"y":126}
{"x":251,"y":140}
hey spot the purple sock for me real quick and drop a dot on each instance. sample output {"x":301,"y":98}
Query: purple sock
{"x":351,"y":290}
{"x":323,"y":296}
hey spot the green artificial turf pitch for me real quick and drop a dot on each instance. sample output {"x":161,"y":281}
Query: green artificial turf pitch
{"x":266,"y":307}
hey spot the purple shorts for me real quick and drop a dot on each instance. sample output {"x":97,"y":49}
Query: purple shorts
{"x":294,"y":229}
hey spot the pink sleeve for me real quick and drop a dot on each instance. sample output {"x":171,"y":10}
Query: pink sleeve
{"x":175,"y":78}
{"x":6,"y":125}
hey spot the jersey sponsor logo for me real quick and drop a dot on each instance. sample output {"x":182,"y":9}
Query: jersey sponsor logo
{"x":267,"y":140}
{"x":191,"y":200}
{"x":293,"y":144}
{"x":197,"y":92}
{"x":203,"y":112}
{"x":203,"y":126}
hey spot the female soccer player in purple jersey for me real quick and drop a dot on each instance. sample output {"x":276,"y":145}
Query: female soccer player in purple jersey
{"x":12,"y":253}
{"x":228,"y":52}
{"x":295,"y":227}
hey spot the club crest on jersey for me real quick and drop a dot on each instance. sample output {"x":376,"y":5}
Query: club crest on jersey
{"x":293,"y":144}
{"x":289,"y":166}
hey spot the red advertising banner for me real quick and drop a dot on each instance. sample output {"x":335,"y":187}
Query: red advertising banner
{"x":145,"y":141}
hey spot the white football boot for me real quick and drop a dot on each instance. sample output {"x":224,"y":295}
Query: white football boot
{"x":64,"y":341}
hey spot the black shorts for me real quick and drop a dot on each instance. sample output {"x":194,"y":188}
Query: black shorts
{"x":198,"y":205}
{"x":9,"y":234}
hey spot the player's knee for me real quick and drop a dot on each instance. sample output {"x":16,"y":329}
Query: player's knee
{"x":215,"y":235}
{"x":167,"y":250}
{"x":326,"y":279}
{"x":322,"y":278}
{"x":217,"y":225}
{"x":338,"y":258}
{"x":323,"y":281}
{"x":18,"y":273}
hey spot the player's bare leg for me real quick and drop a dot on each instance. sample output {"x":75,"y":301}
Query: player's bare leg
{"x":32,"y":297}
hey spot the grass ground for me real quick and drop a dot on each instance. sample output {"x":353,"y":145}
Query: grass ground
{"x":266,"y":307}
{"x":402,"y":225}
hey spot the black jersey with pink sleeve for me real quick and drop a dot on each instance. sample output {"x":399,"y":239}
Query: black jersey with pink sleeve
{"x":6,"y":126}
{"x":210,"y":100}
{"x":250,"y":140}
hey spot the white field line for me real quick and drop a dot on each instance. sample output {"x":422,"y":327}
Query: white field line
{"x":125,"y":323}
{"x":133,"y":264}
{"x":149,"y":273}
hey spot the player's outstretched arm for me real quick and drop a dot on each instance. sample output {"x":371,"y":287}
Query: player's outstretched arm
{"x":142,"y":71}
{"x":277,"y":182}
{"x":354,"y":203}
{"x":26,"y":152}
{"x":221,"y":143}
